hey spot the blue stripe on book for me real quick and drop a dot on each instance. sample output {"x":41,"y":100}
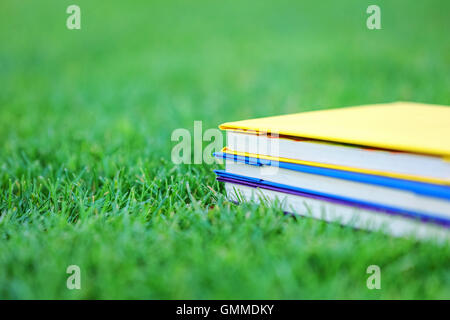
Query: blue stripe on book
{"x":422,"y":188}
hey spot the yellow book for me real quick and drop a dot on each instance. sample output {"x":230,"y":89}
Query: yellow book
{"x":403,"y":139}
{"x":403,"y":126}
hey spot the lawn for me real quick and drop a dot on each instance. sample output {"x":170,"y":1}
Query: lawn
{"x":86,"y":118}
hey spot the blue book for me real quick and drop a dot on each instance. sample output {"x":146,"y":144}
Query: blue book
{"x":418,"y":200}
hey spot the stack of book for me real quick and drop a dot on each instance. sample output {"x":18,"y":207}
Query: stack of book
{"x":377,"y":167}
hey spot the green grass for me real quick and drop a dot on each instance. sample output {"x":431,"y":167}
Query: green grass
{"x":85,"y":123}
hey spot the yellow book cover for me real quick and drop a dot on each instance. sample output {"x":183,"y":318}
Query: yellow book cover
{"x":401,"y":126}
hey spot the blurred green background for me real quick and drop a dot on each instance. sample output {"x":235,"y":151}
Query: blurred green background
{"x":85,"y":123}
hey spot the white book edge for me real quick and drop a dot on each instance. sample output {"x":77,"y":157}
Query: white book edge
{"x":341,"y":155}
